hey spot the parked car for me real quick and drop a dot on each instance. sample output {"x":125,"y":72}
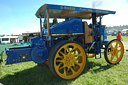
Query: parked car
{"x":114,"y":33}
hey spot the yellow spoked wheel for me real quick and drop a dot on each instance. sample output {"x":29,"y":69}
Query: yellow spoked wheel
{"x":114,"y":51}
{"x":90,"y":55}
{"x":67,"y":60}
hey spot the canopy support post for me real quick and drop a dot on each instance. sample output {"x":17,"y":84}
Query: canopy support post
{"x":40,"y":27}
{"x":48,"y":27}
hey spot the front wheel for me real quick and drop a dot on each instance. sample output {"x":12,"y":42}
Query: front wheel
{"x":114,"y":51}
{"x":67,"y":59}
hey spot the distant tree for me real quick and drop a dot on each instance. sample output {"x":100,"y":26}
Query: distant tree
{"x":121,"y":27}
{"x":11,"y":34}
{"x":3,"y":35}
{"x":54,"y":21}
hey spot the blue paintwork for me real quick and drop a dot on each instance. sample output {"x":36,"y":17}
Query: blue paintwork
{"x":63,"y":7}
{"x":36,"y":41}
{"x":105,"y":35}
{"x":72,"y":8}
{"x":66,"y":27}
{"x":39,"y":52}
{"x":39,"y":55}
{"x":16,"y":55}
{"x":36,"y":52}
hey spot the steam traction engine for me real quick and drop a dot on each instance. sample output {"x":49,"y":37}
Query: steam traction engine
{"x":67,"y":45}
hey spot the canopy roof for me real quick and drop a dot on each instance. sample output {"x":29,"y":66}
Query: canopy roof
{"x":61,"y":11}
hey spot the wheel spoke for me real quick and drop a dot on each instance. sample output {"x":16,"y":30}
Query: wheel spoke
{"x":73,"y":70}
{"x":65,"y":51}
{"x":78,"y":63}
{"x":62,"y":53}
{"x":58,"y":56}
{"x":68,"y":68}
{"x":61,"y":67}
{"x":74,"y":52}
{"x":116,"y":56}
{"x":116,"y":45}
{"x":73,"y":49}
{"x":112,"y":57}
{"x":118,"y":50}
{"x":111,"y":46}
{"x":64,"y":70}
{"x":59,"y":61}
{"x":77,"y":58}
{"x":79,"y":54}
{"x":68,"y":49}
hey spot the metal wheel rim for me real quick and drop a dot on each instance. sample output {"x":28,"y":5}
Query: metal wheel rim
{"x":70,"y":61}
{"x":115,"y":51}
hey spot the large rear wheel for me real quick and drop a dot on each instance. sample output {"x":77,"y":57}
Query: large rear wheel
{"x":67,"y":59}
{"x":114,"y":51}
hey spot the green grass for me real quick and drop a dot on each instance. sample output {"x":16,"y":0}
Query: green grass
{"x":97,"y":72}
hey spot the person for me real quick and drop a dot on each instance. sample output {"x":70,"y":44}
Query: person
{"x":119,"y":36}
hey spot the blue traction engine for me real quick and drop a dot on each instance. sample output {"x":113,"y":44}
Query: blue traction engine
{"x":67,"y":45}
{"x":39,"y":48}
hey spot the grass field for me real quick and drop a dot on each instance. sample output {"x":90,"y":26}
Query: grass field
{"x":97,"y":72}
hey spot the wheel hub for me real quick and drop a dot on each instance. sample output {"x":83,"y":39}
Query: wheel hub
{"x":115,"y":51}
{"x":69,"y":60}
